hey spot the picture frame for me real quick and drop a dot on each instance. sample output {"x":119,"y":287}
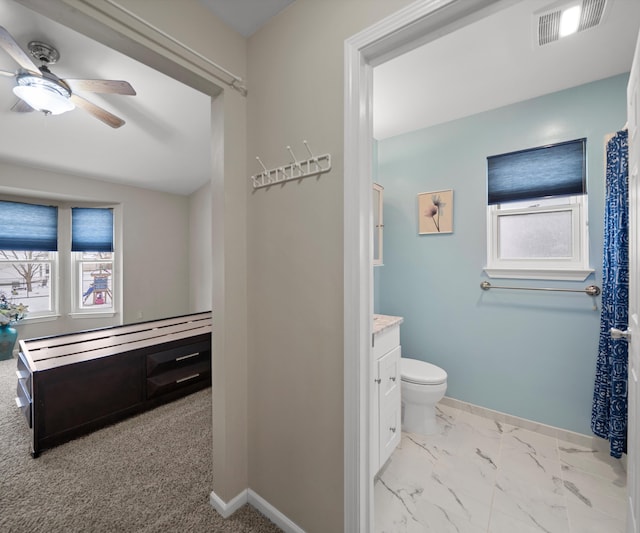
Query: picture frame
{"x":435,"y":212}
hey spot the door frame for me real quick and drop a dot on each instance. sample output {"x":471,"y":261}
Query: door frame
{"x":633,"y":465}
{"x":417,"y":24}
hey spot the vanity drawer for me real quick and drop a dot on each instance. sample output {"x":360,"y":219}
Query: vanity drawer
{"x":385,"y":341}
{"x":175,"y":358}
{"x":178,"y":378}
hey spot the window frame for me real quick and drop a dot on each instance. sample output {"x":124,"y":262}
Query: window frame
{"x":575,"y":268}
{"x":63,"y":278}
{"x":77,"y":311}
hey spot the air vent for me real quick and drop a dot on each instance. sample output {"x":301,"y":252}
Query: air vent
{"x":548,"y":20}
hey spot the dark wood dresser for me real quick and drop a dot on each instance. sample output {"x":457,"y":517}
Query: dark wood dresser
{"x":72,"y":384}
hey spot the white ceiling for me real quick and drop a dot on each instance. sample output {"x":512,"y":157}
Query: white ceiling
{"x":164,"y":144}
{"x":494,"y":62}
{"x":246,"y":16}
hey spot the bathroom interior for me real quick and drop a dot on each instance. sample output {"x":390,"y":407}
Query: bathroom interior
{"x":512,"y":371}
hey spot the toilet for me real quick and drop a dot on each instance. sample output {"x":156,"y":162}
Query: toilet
{"x":422,"y":386}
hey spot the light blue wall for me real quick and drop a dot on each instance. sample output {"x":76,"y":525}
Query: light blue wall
{"x":530,"y":354}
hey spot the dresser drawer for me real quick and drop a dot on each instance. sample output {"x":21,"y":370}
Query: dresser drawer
{"x":24,"y":374}
{"x":179,"y":357}
{"x":23,"y":401}
{"x":178,"y":378}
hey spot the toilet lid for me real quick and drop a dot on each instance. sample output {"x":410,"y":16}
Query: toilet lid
{"x":421,"y":372}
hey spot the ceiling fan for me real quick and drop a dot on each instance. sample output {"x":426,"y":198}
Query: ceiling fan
{"x":39,"y":89}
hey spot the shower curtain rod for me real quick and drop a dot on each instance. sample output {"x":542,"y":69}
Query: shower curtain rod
{"x":591,"y":290}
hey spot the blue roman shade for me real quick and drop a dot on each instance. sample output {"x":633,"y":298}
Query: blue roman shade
{"x":28,"y":227}
{"x":553,"y":170}
{"x":91,"y":229}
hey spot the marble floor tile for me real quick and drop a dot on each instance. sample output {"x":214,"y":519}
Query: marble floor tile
{"x":593,"y":461}
{"x":503,"y":523}
{"x":587,"y":491}
{"x":592,"y":521}
{"x":479,"y":475}
{"x":533,"y":506}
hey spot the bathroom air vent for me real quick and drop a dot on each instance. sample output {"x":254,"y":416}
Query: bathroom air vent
{"x":547,"y":21}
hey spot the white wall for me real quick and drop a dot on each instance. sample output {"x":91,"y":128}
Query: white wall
{"x":155,"y":244}
{"x":201,"y":260}
{"x":295,"y":260}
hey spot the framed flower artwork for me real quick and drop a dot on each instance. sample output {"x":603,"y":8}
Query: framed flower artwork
{"x":435,"y":212}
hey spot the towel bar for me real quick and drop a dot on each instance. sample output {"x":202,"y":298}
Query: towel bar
{"x":591,"y":290}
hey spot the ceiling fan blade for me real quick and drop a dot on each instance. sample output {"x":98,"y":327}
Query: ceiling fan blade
{"x":18,"y":54}
{"x":101,"y":114}
{"x":101,"y":86}
{"x":21,"y":107}
{"x":7,"y":73}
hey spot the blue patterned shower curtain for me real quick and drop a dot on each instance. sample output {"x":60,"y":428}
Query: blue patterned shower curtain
{"x":609,"y":411}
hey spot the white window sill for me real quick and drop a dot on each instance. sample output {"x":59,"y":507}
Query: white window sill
{"x":563,"y":274}
{"x":37,"y":319}
{"x":94,"y":314}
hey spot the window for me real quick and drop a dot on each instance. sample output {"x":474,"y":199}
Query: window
{"x":92,"y":259}
{"x":537,"y":213}
{"x":58,"y":259}
{"x":28,"y":255}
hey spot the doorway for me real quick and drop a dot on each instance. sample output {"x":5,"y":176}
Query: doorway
{"x":416,"y":25}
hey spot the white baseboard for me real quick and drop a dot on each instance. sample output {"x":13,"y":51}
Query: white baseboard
{"x":273,"y":514}
{"x":227,"y":509}
{"x":590,"y":441}
{"x":248,"y":496}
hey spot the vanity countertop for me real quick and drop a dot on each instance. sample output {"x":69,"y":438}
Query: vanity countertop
{"x":383,"y":322}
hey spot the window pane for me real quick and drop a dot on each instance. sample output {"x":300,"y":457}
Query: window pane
{"x":96,"y":285}
{"x":26,"y":279}
{"x":535,"y":235}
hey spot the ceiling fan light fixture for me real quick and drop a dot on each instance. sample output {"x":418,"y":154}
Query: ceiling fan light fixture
{"x":43,"y":95}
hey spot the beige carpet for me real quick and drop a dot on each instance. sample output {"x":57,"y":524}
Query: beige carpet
{"x":149,"y":473}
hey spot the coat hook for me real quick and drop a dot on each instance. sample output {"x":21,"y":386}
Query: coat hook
{"x":313,"y":159}
{"x":309,"y":150}
{"x":262,"y":165}
{"x":296,"y":163}
{"x":292,"y":155}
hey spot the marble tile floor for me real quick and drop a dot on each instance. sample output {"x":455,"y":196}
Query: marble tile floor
{"x":483,"y":476}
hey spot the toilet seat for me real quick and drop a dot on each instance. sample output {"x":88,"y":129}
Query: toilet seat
{"x":421,"y":372}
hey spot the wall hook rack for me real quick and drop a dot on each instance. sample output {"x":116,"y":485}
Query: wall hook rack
{"x":313,"y":166}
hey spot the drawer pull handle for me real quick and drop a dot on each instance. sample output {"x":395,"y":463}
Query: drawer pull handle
{"x":181,"y":358}
{"x":187,"y":378}
{"x":393,"y":429}
{"x":392,"y":378}
{"x":378,"y":380}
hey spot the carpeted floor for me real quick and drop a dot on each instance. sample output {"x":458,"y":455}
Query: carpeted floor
{"x":149,"y":473}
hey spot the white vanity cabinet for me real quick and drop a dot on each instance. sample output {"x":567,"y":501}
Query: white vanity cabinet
{"x":386,"y":403}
